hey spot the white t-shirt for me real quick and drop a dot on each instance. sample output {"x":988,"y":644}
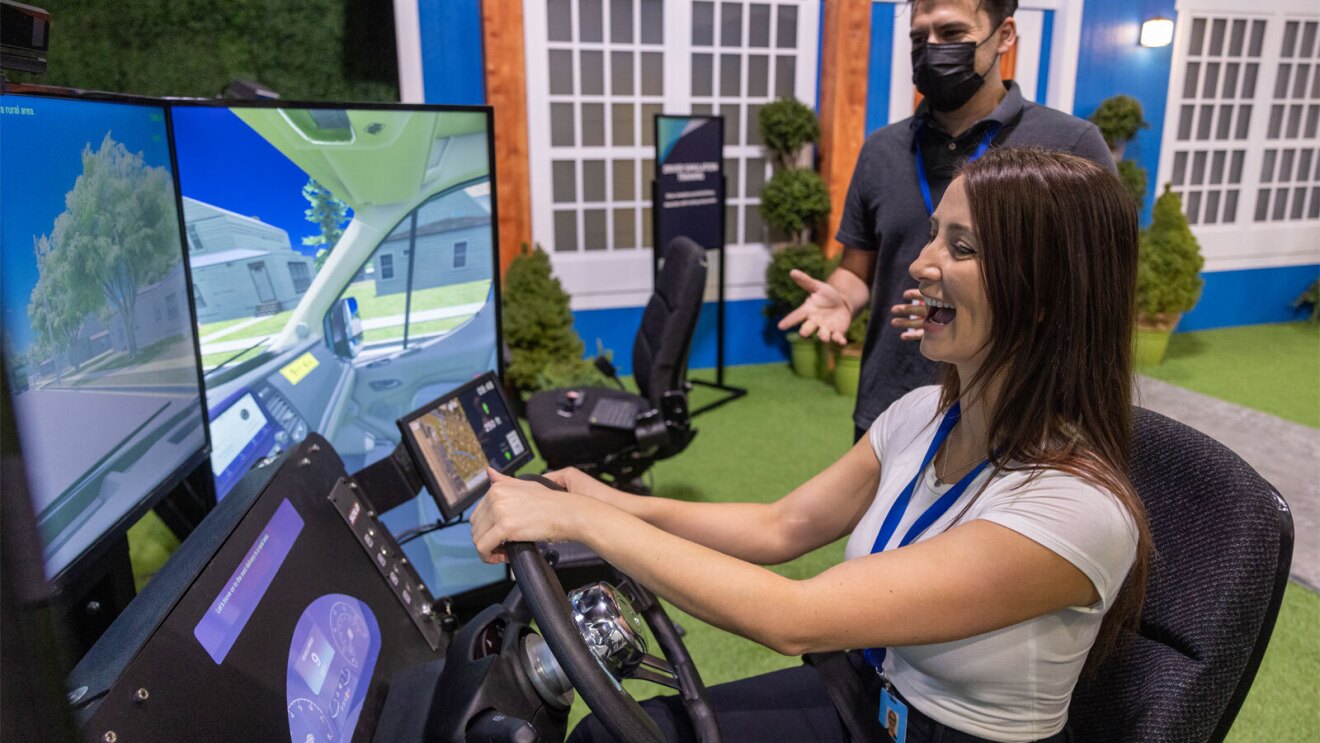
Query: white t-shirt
{"x":1012,"y":684}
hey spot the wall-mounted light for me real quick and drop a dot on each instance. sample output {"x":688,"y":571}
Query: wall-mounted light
{"x":1157,"y":32}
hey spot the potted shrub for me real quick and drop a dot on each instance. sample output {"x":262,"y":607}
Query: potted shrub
{"x":1168,"y":277}
{"x":784,"y":295}
{"x":848,"y":364}
{"x":538,"y":329}
{"x":1119,"y":118}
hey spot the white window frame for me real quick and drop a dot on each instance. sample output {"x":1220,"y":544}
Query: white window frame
{"x":623,"y":278}
{"x":1244,"y":243}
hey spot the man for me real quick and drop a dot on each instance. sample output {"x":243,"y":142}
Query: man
{"x":901,"y":175}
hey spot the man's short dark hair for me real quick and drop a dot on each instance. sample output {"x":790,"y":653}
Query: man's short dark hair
{"x":998,"y":10}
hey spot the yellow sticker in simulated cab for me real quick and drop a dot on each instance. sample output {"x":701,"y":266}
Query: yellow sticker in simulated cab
{"x":298,"y":369}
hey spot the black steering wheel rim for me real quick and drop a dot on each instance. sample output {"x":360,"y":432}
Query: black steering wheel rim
{"x":613,"y":706}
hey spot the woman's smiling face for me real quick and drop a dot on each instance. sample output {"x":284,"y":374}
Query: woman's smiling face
{"x":948,"y":273}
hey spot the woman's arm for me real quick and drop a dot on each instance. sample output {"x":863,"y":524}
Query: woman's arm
{"x":972,"y":579}
{"x":816,"y":513}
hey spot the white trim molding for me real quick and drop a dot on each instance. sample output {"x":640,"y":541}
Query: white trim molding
{"x":408,"y":47}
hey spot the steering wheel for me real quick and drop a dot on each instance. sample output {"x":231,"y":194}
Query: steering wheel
{"x":615,"y":708}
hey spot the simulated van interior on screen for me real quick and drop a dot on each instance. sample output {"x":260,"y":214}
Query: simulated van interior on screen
{"x":342,"y":272}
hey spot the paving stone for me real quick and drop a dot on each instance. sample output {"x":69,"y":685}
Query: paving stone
{"x":1285,"y":453}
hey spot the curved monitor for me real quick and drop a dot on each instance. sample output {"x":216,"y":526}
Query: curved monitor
{"x":98,"y":332}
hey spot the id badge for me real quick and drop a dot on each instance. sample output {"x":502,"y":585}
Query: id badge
{"x":893,"y":716}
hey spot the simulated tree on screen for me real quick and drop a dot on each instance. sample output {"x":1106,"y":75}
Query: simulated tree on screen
{"x":54,"y":314}
{"x":116,"y":235}
{"x":328,"y":213}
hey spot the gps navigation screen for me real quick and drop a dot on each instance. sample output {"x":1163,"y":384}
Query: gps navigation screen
{"x":453,"y":440}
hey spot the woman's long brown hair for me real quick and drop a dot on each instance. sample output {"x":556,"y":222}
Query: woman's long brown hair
{"x":1058,"y":246}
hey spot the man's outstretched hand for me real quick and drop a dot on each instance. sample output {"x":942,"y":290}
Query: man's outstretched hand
{"x":824,"y":314}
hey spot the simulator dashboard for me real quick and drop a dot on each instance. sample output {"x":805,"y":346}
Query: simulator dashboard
{"x":308,"y":611}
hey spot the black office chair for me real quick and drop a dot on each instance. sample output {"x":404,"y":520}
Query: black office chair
{"x":615,"y":435}
{"x":1223,"y":546}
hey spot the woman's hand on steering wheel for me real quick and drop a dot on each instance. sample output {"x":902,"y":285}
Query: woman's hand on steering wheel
{"x":515,"y":510}
{"x":578,"y":482}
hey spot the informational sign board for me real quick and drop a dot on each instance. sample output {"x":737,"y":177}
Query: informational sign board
{"x":689,"y":184}
{"x":688,"y":201}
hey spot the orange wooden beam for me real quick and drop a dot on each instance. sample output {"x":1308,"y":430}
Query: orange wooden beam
{"x":844,"y":61}
{"x":506,"y":91}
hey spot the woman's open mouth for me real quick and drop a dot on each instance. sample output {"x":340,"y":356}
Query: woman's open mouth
{"x":939,"y":312}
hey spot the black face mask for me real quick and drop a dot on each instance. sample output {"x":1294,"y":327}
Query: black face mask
{"x":946,"y":73}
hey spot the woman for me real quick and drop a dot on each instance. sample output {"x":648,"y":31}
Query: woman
{"x":993,"y":527}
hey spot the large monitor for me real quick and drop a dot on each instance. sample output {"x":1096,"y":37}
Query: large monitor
{"x":453,"y":439}
{"x":98,"y":333}
{"x":344,"y":268}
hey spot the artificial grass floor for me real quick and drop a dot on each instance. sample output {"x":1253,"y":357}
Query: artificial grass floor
{"x":1272,"y":368}
{"x":788,"y":429}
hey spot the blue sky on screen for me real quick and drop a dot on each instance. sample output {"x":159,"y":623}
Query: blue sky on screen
{"x":40,"y":159}
{"x":223,"y":162}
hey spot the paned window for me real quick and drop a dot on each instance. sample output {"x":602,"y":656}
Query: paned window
{"x":599,"y":71}
{"x":1245,"y":146}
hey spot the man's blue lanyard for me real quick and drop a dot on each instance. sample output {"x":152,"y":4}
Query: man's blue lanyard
{"x":876,"y":656}
{"x":921,"y":168}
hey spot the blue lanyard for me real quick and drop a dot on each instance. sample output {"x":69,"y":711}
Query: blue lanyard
{"x":875,"y":656}
{"x":921,"y":168}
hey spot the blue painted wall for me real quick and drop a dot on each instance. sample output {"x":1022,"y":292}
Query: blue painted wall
{"x":1111,"y":61}
{"x":1043,"y":66}
{"x":749,"y":337}
{"x":1250,"y":297}
{"x":453,"y":60}
{"x":879,"y":66}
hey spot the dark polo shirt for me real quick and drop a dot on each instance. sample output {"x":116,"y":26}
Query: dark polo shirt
{"x":884,"y":212}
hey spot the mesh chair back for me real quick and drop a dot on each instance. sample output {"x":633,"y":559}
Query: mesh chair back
{"x":661,"y":349}
{"x":1223,"y":544}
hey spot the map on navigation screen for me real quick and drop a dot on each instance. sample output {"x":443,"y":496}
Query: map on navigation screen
{"x":451,"y":447}
{"x":455,"y":438}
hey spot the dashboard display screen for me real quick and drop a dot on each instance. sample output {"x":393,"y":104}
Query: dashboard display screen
{"x":454,"y":439}
{"x":240,"y":435}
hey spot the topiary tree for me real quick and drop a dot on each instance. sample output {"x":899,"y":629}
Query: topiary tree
{"x":1168,"y":265}
{"x":793,"y":201}
{"x":786,"y":126}
{"x":781,"y":290}
{"x":538,"y":326}
{"x":1133,"y":177}
{"x":1119,"y":118}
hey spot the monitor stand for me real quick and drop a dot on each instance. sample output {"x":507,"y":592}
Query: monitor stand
{"x":89,"y":612}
